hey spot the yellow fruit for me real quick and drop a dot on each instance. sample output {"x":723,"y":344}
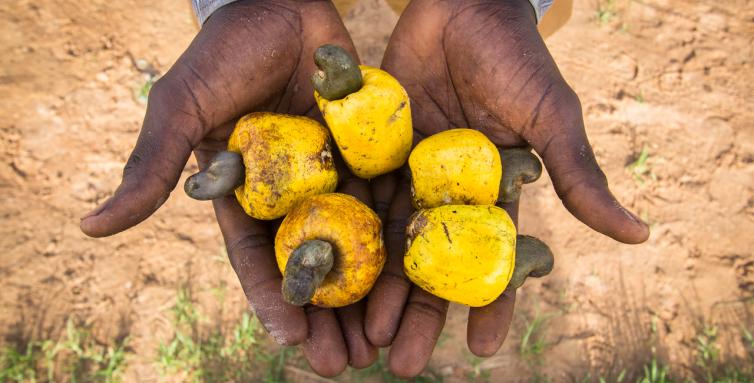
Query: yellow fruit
{"x":355,"y":233}
{"x":461,"y":253}
{"x":372,"y":126}
{"x":455,"y":167}
{"x":287,"y":159}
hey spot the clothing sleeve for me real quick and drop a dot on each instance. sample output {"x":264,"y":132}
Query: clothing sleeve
{"x":204,"y":8}
{"x":540,"y":7}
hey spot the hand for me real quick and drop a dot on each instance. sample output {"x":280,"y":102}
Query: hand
{"x":481,"y":64}
{"x":249,"y":56}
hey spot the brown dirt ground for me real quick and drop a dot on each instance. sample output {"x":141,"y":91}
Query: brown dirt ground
{"x":672,"y":76}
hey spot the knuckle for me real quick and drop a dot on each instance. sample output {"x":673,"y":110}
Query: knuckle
{"x":248,"y":244}
{"x":426,"y":310}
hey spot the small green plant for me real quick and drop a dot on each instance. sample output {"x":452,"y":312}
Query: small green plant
{"x":142,"y":94}
{"x":276,"y":364}
{"x":707,"y":351}
{"x":654,"y":372}
{"x":477,"y":374}
{"x":209,"y":356}
{"x":77,"y":355}
{"x":605,"y":11}
{"x":748,"y":339}
{"x":18,"y":366}
{"x":533,"y":342}
{"x":640,"y":168}
{"x":379,"y":369}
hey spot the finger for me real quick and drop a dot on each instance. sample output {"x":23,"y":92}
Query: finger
{"x":581,"y":184}
{"x":422,"y":323}
{"x":324,"y":347}
{"x":151,"y":173}
{"x":526,"y":92}
{"x":488,"y":326}
{"x":361,"y":353}
{"x":383,"y":189}
{"x":252,"y":256}
{"x":388,"y":296}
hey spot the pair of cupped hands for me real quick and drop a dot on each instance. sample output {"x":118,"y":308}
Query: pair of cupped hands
{"x":478,"y":64}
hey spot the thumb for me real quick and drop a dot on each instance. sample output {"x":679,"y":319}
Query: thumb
{"x":578,"y":179}
{"x":152,"y":170}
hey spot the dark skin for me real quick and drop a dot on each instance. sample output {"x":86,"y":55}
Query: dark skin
{"x":480,"y":64}
{"x":249,"y":56}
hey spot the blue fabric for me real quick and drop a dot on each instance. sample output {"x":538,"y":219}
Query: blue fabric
{"x":540,"y":7}
{"x":204,"y":8}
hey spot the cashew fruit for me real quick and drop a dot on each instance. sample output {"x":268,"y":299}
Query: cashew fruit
{"x":284,"y":160}
{"x":455,"y":167}
{"x":470,"y":254}
{"x":330,"y":251}
{"x":367,"y":111}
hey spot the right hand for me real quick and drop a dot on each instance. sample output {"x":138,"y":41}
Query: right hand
{"x":482,"y":65}
{"x":248,"y":56}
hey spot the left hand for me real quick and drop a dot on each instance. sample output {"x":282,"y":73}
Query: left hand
{"x":483,"y":65}
{"x":248,"y":56}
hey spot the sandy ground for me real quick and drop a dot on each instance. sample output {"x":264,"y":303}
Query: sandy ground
{"x":674,"y":77}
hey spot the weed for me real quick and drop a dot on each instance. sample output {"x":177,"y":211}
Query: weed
{"x":477,"y":374}
{"x":654,"y":372}
{"x":18,"y":366}
{"x":380,"y":369}
{"x":209,"y":356}
{"x":77,"y":355}
{"x":640,"y":168}
{"x":276,"y":364}
{"x":605,"y":11}
{"x":142,"y":94}
{"x":533,"y":342}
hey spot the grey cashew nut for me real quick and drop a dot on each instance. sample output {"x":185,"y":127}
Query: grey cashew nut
{"x":338,"y":75}
{"x":305,"y":270}
{"x":533,"y":259}
{"x":520,"y":166}
{"x":223,"y":175}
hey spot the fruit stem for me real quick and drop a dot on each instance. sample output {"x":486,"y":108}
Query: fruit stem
{"x":338,"y":75}
{"x":224,"y":173}
{"x":533,"y":259}
{"x":520,"y":166}
{"x":305,"y":270}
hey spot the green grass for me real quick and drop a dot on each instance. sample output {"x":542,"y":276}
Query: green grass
{"x":533,"y":344}
{"x":477,"y":374}
{"x":654,"y":372}
{"x":606,"y":11}
{"x":380,"y":370}
{"x":142,"y":93}
{"x":640,"y":169}
{"x":76,"y":356}
{"x":200,"y":354}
